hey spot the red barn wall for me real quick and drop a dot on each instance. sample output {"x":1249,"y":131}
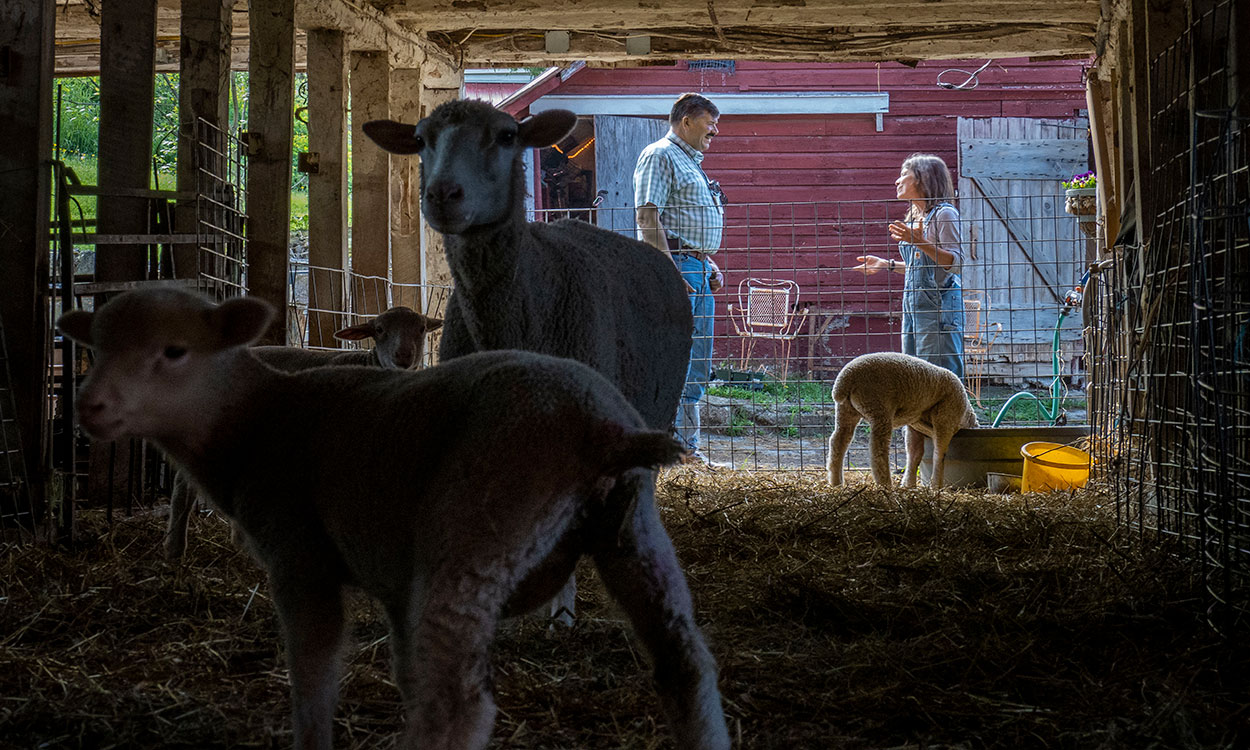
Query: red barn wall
{"x":835,"y":173}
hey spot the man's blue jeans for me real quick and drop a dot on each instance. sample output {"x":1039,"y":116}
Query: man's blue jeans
{"x":687,"y":424}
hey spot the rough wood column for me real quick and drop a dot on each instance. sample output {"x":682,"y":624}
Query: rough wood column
{"x":439,"y":84}
{"x":327,"y":186}
{"x":271,"y":95}
{"x":26,"y":30}
{"x":127,"y":69}
{"x":407,"y":260}
{"x":203,"y":92}
{"x":371,"y":191}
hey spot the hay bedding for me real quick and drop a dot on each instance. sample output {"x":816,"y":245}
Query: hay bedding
{"x":846,"y":618}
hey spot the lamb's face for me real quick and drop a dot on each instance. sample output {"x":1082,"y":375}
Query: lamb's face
{"x":156,"y":357}
{"x":470,"y":158}
{"x":398,"y":336}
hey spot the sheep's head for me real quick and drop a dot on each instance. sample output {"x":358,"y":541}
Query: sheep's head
{"x":154,"y":358}
{"x":398,"y":336}
{"x":470,"y":159}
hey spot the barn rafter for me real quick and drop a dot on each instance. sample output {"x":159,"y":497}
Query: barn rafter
{"x":468,"y":33}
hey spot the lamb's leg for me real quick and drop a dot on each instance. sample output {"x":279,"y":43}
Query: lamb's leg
{"x":915,"y":452}
{"x":404,"y":657}
{"x":564,"y":605}
{"x":181,"y":504}
{"x":310,"y":610}
{"x":879,"y":447}
{"x":640,"y":570}
{"x":845,"y":422}
{"x":941,"y":441}
{"x":453,"y":707}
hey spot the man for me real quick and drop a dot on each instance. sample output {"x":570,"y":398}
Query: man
{"x":681,"y":212}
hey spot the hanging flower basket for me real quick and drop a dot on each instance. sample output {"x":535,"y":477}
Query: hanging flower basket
{"x":1082,"y":202}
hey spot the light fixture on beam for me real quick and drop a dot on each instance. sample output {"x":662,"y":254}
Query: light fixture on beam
{"x":638,"y":45}
{"x":557,"y":42}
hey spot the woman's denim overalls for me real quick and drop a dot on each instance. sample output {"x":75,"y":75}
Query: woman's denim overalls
{"x":933,"y":317}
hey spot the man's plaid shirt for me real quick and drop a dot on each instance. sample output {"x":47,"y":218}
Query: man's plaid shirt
{"x":668,"y":176}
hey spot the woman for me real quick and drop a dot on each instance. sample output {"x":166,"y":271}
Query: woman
{"x":929,"y":242}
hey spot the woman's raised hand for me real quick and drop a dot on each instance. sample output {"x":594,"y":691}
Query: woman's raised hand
{"x":870,"y":264}
{"x":903,"y":232}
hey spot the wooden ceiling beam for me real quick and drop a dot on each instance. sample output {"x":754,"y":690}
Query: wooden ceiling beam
{"x":370,"y":30}
{"x":639,"y":15}
{"x":811,"y":45}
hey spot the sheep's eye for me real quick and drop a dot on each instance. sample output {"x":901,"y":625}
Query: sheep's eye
{"x":507,"y":137}
{"x":418,"y":142}
{"x":175,"y":352}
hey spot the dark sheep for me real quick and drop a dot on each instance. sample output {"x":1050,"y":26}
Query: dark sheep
{"x":398,"y":344}
{"x":569,"y":289}
{"x":459,"y":486}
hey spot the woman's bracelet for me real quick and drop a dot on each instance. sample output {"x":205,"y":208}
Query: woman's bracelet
{"x":891,"y":265}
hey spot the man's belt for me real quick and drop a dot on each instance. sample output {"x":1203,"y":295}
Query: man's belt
{"x":681,"y":248}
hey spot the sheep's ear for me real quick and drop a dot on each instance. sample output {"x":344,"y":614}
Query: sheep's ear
{"x":433,"y":324}
{"x":546,"y":128}
{"x":396,"y":137}
{"x":355,"y":333}
{"x":77,"y":325}
{"x":239,"y":321}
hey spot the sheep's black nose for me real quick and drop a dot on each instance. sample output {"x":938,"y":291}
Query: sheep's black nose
{"x":445,"y":191}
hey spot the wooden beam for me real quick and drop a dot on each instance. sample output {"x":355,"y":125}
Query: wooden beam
{"x":26,"y":32}
{"x":203,"y":93}
{"x":128,"y":30}
{"x":815,"y":45}
{"x":1108,"y":190}
{"x":327,"y":185}
{"x":435,"y":90}
{"x":641,"y":15}
{"x":407,"y":261}
{"x":371,"y":188}
{"x":271,"y":95}
{"x":374,"y":31}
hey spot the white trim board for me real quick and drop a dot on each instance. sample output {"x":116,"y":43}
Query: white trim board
{"x":659,"y":105}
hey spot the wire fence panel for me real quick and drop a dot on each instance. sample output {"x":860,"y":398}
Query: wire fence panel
{"x":1172,"y":316}
{"x":795,"y":308}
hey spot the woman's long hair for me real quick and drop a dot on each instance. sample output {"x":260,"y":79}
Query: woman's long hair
{"x":934,"y":179}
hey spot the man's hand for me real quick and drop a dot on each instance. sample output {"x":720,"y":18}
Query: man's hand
{"x":715,"y":279}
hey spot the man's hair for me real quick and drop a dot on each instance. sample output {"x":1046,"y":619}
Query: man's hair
{"x":691,"y":105}
{"x":933,"y":178}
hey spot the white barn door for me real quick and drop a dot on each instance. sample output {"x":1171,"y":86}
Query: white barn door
{"x":618,"y":141}
{"x":1022,"y":251}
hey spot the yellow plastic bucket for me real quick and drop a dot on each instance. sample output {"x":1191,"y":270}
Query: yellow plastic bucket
{"x":1051,"y":466}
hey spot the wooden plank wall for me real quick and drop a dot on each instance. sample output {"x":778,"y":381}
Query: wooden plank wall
{"x":1024,"y":269}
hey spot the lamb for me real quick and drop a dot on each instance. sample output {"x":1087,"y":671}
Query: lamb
{"x":892,"y":390}
{"x":568,"y":288}
{"x":468,"y":493}
{"x":399,"y":344}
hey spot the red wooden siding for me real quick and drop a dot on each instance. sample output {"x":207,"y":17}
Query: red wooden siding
{"x":838,"y":171}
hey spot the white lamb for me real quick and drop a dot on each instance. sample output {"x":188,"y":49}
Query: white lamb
{"x":894,"y":390}
{"x":455,"y":495}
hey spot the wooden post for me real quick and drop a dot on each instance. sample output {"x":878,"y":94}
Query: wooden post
{"x":127,"y":68}
{"x":26,"y":32}
{"x":439,"y":84}
{"x":407,"y":260}
{"x":327,"y":186}
{"x":203,"y":92}
{"x":370,"y":226}
{"x":271,"y":99}
{"x":1108,"y":190}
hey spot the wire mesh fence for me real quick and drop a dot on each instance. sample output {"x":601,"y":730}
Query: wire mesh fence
{"x":797,"y":305}
{"x":1173,"y":379}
